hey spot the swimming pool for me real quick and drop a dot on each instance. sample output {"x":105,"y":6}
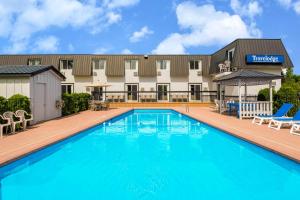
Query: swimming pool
{"x":151,"y":154}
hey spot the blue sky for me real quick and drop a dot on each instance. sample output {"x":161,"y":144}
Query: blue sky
{"x":144,"y":26}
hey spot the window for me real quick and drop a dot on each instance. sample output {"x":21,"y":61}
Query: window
{"x":99,"y":63}
{"x":34,"y":61}
{"x":67,"y":88}
{"x":230,"y":54}
{"x":66,"y":64}
{"x":195,"y":64}
{"x":131,"y":64}
{"x":162,"y":64}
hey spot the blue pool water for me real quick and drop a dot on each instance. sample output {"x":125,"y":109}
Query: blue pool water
{"x":151,"y":154}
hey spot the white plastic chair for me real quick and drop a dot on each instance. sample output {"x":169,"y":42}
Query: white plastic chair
{"x":10,"y":116}
{"x":7,"y":124}
{"x":22,"y":115}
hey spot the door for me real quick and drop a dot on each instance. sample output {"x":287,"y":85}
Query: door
{"x":132,"y":92}
{"x":195,"y":90}
{"x":97,"y":94}
{"x":39,"y":102}
{"x":162,"y":92}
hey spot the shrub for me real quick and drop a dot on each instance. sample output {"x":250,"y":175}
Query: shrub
{"x":3,"y":105}
{"x":18,"y":102}
{"x":264,"y":95}
{"x":75,"y":102}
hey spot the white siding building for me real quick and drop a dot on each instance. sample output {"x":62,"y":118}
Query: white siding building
{"x":42,"y":84}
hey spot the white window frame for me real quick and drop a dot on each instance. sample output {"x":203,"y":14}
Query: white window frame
{"x":34,"y":61}
{"x":66,"y":85}
{"x":162,"y":64}
{"x":129,"y":64}
{"x":101,"y":64}
{"x":199,"y":65}
{"x":61,"y":67}
{"x":230,"y":51}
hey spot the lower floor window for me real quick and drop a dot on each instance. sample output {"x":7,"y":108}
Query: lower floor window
{"x":67,"y":88}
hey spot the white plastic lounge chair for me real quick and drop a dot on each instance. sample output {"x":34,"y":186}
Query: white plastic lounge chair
{"x":295,"y":129}
{"x":22,"y":115}
{"x":7,"y":124}
{"x":10,"y":116}
{"x":279,"y":122}
{"x":281,"y":112}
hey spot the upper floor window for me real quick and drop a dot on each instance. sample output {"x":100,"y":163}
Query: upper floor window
{"x":98,"y":63}
{"x":66,"y":64}
{"x":195,"y":64}
{"x":230,"y":54}
{"x":162,"y":64}
{"x":131,"y":64}
{"x":34,"y":61}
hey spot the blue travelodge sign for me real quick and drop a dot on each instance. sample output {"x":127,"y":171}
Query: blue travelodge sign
{"x":264,"y":59}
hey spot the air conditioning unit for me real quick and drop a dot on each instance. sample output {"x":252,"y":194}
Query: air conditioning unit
{"x":135,"y":73}
{"x":199,"y":73}
{"x":159,"y":73}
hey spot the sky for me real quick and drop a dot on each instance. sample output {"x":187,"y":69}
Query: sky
{"x":144,"y":26}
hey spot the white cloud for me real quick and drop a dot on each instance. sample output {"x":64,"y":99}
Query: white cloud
{"x":285,"y":3}
{"x":138,"y":35}
{"x":297,"y":7}
{"x":251,"y":10}
{"x":120,"y":3}
{"x":19,"y":21}
{"x":47,"y":44}
{"x":126,"y":51}
{"x":204,"y":25}
{"x":113,"y":17}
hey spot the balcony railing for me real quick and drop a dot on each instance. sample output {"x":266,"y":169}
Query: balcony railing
{"x":161,"y":96}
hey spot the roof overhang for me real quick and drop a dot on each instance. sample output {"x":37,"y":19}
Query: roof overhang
{"x":246,"y":77}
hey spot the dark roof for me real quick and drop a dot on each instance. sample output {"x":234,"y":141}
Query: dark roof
{"x":244,"y":47}
{"x":248,"y":74}
{"x":247,"y":77}
{"x":26,"y":70}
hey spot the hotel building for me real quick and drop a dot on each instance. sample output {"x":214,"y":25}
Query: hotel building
{"x":162,"y":78}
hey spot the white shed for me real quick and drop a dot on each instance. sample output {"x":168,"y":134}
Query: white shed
{"x":42,"y":84}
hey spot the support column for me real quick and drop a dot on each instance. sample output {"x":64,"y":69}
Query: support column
{"x":245,"y":93}
{"x":221,"y":99}
{"x":271,"y":96}
{"x":240,"y":98}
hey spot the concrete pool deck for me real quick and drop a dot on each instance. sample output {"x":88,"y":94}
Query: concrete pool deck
{"x":40,"y":135}
{"x":44,"y":134}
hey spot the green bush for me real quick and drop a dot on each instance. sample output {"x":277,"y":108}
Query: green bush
{"x":264,"y":95}
{"x":3,"y":105}
{"x":75,"y":102}
{"x":18,"y":102}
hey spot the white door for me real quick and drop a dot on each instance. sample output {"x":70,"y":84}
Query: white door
{"x":39,"y":106}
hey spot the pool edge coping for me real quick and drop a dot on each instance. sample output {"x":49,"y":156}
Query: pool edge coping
{"x":266,"y":147}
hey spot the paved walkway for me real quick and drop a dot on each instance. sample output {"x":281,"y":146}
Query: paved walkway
{"x":38,"y":136}
{"x":281,"y":141}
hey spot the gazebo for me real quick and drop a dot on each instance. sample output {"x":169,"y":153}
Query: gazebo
{"x":248,"y":109}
